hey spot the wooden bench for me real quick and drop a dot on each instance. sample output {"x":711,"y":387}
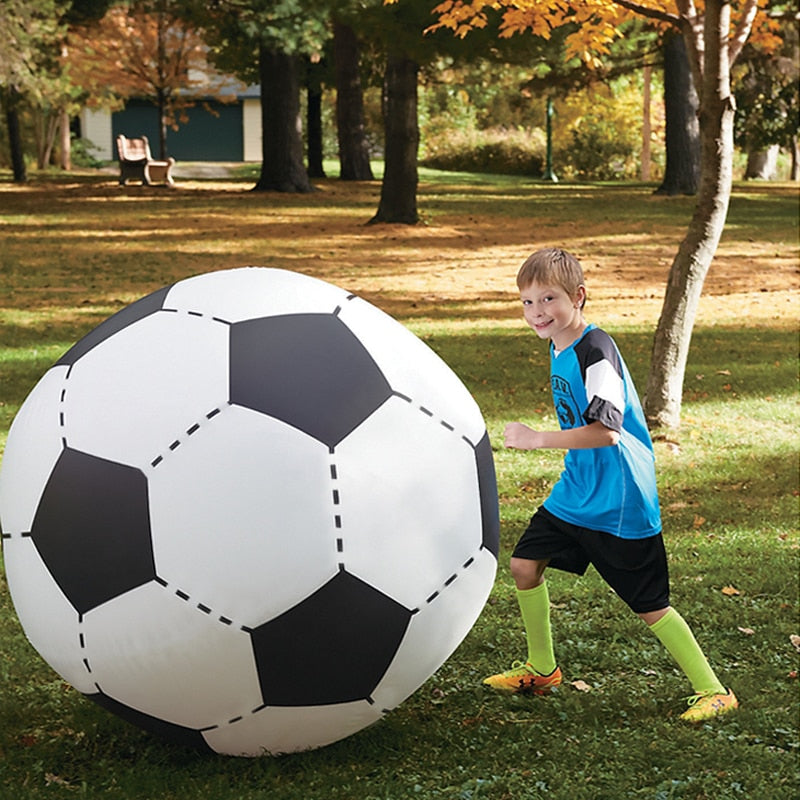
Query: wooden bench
{"x":136,"y":163}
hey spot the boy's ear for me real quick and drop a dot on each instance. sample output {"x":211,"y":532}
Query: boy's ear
{"x":580,"y":297}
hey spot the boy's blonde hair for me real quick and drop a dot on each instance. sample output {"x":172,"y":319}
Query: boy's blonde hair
{"x":551,"y":266}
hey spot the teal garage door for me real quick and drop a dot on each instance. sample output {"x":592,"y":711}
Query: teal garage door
{"x":209,"y":135}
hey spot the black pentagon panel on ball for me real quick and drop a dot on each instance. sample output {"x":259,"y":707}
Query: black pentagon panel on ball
{"x":92,"y":529}
{"x":487,"y":483}
{"x":177,"y":734}
{"x":308,"y":370}
{"x":127,"y":316}
{"x":333,"y":647}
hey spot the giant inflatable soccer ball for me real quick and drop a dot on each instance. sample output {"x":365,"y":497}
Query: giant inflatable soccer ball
{"x":249,"y":512}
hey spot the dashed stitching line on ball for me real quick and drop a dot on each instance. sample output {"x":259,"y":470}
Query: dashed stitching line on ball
{"x":336,"y":506}
{"x":202,"y":607}
{"x":190,"y":431}
{"x":82,"y":644}
{"x":431,"y":415}
{"x":61,"y":417}
{"x":466,"y":565}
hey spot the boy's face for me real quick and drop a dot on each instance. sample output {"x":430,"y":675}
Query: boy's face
{"x":553,"y":314}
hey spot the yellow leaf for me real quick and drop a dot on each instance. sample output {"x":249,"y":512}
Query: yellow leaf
{"x":747,"y":631}
{"x":731,"y":591}
{"x":582,"y":686}
{"x":795,"y":640}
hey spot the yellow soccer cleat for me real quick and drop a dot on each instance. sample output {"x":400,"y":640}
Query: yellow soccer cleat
{"x":523,"y":679}
{"x":707,"y":706}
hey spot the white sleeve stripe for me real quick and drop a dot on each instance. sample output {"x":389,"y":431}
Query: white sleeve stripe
{"x":603,"y":381}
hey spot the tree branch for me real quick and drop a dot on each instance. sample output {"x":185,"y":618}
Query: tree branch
{"x":646,"y":11}
{"x":742,"y":30}
{"x":692,"y":28}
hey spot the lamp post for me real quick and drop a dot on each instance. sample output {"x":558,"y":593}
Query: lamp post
{"x":549,"y":175}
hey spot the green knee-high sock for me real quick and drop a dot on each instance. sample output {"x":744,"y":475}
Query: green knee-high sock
{"x":677,"y":637}
{"x":534,"y":605}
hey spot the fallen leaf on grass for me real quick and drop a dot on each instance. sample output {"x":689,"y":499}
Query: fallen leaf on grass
{"x":698,"y":521}
{"x":747,"y":631}
{"x":795,"y":640}
{"x":582,"y":686}
{"x":50,"y":778}
{"x":731,"y":591}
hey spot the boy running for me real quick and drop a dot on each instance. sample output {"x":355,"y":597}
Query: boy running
{"x":604,"y":508}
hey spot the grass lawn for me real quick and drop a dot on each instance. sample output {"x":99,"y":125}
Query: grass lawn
{"x":74,"y":249}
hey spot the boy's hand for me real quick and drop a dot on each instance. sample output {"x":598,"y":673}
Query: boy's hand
{"x":521,"y":437}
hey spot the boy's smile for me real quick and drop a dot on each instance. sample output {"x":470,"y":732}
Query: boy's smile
{"x":553,"y":314}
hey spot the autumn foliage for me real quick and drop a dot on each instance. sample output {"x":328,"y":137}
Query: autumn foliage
{"x":594,"y":24}
{"x":134,"y":53}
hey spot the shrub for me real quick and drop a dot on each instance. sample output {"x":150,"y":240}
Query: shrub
{"x":598,"y":132}
{"x":82,"y":155}
{"x":497,"y":150}
{"x":601,"y":150}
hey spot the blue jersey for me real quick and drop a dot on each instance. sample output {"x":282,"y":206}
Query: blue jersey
{"x":610,"y":489}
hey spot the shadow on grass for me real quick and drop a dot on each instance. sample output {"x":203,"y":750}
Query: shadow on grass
{"x":724,"y":363}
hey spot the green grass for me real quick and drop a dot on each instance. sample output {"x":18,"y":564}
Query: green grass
{"x":77,"y":249}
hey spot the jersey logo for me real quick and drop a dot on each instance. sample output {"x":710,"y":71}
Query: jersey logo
{"x":566,"y":407}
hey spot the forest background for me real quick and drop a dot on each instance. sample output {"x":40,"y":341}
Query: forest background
{"x":485,"y":101}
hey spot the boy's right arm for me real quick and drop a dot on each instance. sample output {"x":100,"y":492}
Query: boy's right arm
{"x":522,"y":437}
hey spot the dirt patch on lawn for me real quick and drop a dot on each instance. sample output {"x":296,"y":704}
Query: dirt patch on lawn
{"x":107,"y":244}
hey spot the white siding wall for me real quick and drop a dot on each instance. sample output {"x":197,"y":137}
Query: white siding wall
{"x":251,"y":128}
{"x":96,"y":127}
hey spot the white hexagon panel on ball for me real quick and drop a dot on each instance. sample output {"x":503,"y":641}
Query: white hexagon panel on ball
{"x":233,"y":481}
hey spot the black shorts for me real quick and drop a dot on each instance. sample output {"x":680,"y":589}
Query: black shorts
{"x":636,"y":569}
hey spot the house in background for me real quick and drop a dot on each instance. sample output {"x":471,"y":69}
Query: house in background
{"x":215,"y":131}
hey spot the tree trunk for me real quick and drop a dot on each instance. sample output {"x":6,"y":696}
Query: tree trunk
{"x":682,"y":136}
{"x":282,"y":168}
{"x":762,"y":164}
{"x":12,"y":98}
{"x":45,"y":129}
{"x":66,"y":138}
{"x":314,"y":149}
{"x":398,"y":201}
{"x":354,"y":162}
{"x":162,"y":124}
{"x":65,"y":150}
{"x":663,"y":394}
{"x":647,"y":128}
